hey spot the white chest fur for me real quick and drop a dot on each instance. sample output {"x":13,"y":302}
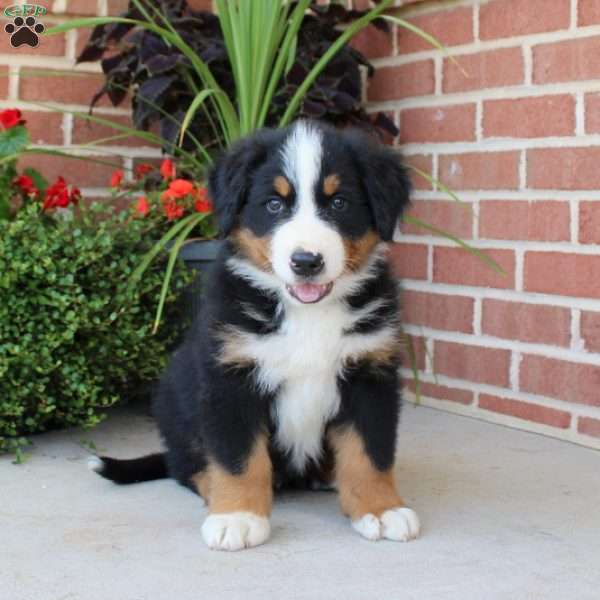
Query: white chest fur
{"x":301,"y":362}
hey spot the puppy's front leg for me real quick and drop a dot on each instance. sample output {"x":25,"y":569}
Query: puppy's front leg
{"x":239,"y":503}
{"x":367,"y":494}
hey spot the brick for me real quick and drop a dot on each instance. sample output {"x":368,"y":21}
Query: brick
{"x":117,"y":7}
{"x":534,"y":323}
{"x":450,"y":27}
{"x":86,"y":131}
{"x":592,"y":113}
{"x":510,"y":18}
{"x":529,"y":117}
{"x":443,"y":214}
{"x":589,"y":426}
{"x":571,"y":60}
{"x":409,"y":261}
{"x":490,"y":69}
{"x":403,"y":81}
{"x":526,"y":411}
{"x":589,"y":222}
{"x":588,"y":12}
{"x":82,"y":7}
{"x":480,"y":170}
{"x":442,"y":392}
{"x":542,"y":220}
{"x":563,"y":168}
{"x":44,"y":127}
{"x":200,"y":4}
{"x":473,"y":363}
{"x":562,"y":274}
{"x":454,"y":123}
{"x":590,"y":330}
{"x":54,"y":45}
{"x":568,"y":381}
{"x":423,"y":163}
{"x":438,"y":311}
{"x":82,"y":173}
{"x":457,"y":266}
{"x":76,"y":89}
{"x":418,"y":347}
{"x":373,"y":43}
{"x":3,"y":82}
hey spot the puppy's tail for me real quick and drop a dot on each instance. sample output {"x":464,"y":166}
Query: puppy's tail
{"x":135,"y":470}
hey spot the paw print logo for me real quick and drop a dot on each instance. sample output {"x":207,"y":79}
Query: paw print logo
{"x":24,"y":31}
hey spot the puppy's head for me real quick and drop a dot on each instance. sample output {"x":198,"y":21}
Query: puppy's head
{"x":308,"y":204}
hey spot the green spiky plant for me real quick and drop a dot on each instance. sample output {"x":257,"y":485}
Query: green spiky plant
{"x":260,"y":38}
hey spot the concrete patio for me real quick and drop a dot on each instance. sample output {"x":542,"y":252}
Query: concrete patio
{"x":505,"y":514}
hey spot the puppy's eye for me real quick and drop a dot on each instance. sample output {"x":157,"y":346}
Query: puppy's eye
{"x":339,"y":203}
{"x":274,"y":205}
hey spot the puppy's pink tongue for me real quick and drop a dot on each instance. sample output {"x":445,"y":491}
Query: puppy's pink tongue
{"x":309,"y":292}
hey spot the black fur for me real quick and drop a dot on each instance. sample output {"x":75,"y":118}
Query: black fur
{"x":210,"y":412}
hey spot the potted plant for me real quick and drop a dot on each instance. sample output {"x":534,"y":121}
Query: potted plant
{"x":171,"y":201}
{"x":190,"y":77}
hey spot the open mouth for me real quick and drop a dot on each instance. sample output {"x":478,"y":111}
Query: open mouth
{"x":309,"y":293}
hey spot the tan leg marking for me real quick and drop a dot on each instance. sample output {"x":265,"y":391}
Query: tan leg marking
{"x":363,"y":489}
{"x":358,"y":251}
{"x":256,"y":249}
{"x":250,"y":491}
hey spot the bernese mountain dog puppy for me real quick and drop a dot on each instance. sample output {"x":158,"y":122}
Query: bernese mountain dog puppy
{"x":289,"y":376}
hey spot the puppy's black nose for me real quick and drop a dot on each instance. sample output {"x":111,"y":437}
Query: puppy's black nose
{"x":306,"y":263}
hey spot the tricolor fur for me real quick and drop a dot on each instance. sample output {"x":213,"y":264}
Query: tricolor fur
{"x":289,"y":375}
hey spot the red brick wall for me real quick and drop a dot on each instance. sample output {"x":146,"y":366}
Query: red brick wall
{"x":517,"y":140}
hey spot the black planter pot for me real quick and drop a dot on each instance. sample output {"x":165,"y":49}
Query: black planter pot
{"x":198,"y":255}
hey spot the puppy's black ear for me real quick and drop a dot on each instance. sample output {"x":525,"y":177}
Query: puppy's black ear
{"x":385,"y":179}
{"x":230,"y":178}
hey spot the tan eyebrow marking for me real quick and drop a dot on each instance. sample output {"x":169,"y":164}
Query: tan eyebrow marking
{"x":331,"y":184}
{"x":282,"y":186}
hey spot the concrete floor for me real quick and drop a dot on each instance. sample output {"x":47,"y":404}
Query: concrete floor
{"x":505,"y":514}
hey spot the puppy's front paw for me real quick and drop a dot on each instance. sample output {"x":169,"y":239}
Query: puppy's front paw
{"x":235,"y":530}
{"x":398,"y":524}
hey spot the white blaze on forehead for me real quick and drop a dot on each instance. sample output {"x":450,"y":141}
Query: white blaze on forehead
{"x":302,"y":156}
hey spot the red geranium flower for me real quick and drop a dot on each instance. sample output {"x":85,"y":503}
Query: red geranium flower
{"x":203,"y":203}
{"x":180,"y":188}
{"x":116,"y":178}
{"x":59,"y":196}
{"x":142,"y":170}
{"x":26,"y":185}
{"x":203,"y":206}
{"x":167,"y":196}
{"x":142,"y":207}
{"x":167,"y":169}
{"x":173,"y":210}
{"x":11,"y":117}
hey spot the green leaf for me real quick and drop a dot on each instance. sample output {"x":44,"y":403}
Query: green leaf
{"x":430,"y":39}
{"x":38,"y":179}
{"x":13,"y":140}
{"x":412,"y":358}
{"x":173,"y":255}
{"x":341,"y":41}
{"x":191,"y":111}
{"x":470,"y":249}
{"x":440,"y":186}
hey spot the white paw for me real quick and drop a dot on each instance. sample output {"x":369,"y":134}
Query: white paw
{"x":398,"y":524}
{"x":235,"y":530}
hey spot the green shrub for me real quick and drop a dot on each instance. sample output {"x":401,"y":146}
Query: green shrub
{"x":74,"y":339}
